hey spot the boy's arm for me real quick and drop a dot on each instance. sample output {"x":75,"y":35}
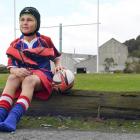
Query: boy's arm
{"x":58,"y":65}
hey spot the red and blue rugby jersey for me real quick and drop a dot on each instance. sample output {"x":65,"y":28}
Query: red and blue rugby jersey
{"x":43,"y":63}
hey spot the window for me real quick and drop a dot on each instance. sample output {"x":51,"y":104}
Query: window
{"x":81,"y":70}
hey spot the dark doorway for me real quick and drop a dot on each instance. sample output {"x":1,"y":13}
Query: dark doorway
{"x":81,"y":70}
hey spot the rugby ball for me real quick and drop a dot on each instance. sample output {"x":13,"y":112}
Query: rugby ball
{"x":63,"y":80}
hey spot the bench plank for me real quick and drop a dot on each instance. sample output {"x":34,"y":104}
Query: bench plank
{"x":89,"y":104}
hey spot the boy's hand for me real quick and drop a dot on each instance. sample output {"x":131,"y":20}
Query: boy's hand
{"x":21,"y":72}
{"x":58,"y":68}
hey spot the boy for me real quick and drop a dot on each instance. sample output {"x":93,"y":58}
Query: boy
{"x":30,"y":72}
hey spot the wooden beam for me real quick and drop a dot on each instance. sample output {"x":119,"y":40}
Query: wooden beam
{"x":89,"y":104}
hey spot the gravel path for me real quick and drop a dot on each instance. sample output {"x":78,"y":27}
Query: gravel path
{"x":45,"y":134}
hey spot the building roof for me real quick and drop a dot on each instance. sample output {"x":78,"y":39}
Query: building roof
{"x":113,"y":40}
{"x":78,"y":57}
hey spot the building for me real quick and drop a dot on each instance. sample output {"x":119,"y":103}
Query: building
{"x":115,"y":50}
{"x":81,"y":63}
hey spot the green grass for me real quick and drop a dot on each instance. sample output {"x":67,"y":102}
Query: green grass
{"x":67,"y":123}
{"x":101,"y":82}
{"x":108,"y":82}
{"x":3,"y":78}
{"x":96,"y":82}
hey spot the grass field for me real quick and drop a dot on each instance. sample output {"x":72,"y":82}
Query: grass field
{"x":3,"y":78}
{"x":62,"y":123}
{"x":96,"y":82}
{"x":101,"y":82}
{"x":108,"y":82}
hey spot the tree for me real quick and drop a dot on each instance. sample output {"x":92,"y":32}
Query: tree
{"x":133,"y":47}
{"x":109,"y":62}
{"x":3,"y":69}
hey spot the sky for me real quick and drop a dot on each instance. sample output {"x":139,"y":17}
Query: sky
{"x":119,"y":19}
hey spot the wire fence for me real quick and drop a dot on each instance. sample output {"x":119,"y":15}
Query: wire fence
{"x":74,"y":38}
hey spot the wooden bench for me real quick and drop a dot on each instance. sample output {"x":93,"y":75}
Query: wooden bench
{"x":89,"y":104}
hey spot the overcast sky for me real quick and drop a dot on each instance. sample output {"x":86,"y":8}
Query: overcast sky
{"x":119,"y":19}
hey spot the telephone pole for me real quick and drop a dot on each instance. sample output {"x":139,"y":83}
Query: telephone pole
{"x":14,"y":18}
{"x":98,"y":36}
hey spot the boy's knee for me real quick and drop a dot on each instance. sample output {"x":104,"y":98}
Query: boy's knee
{"x":12,"y":78}
{"x":30,"y":81}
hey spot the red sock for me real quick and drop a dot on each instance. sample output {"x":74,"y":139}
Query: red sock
{"x":6,"y":101}
{"x":24,"y":101}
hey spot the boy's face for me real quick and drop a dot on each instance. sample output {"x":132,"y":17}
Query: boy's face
{"x":27,"y":23}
